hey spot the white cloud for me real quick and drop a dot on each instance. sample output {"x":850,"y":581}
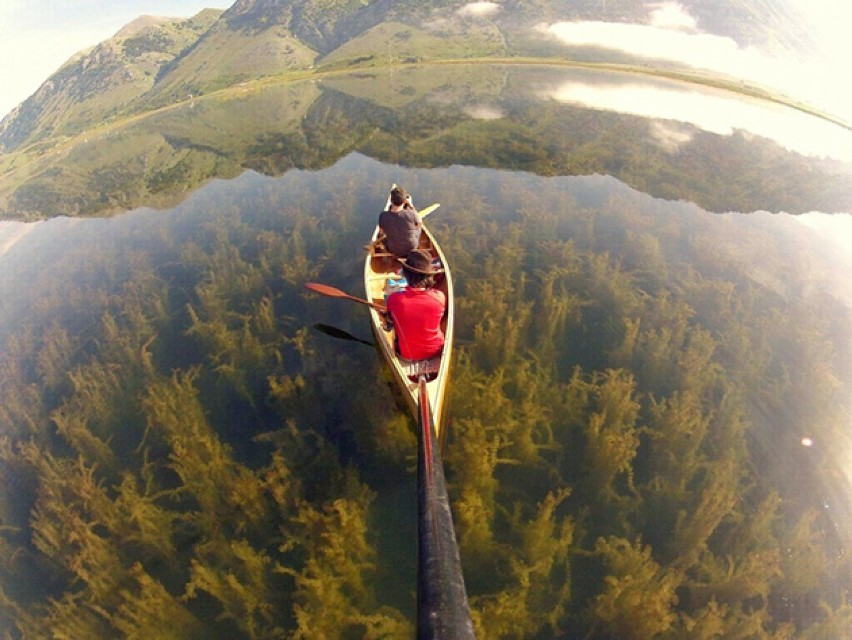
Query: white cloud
{"x":670,"y":136}
{"x":649,"y":101}
{"x":11,"y":8}
{"x":478,"y":9}
{"x":828,"y":21}
{"x":671,"y":15}
{"x":649,"y":42}
{"x":817,"y":83}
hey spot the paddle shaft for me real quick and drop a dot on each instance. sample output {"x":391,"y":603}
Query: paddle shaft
{"x":442,"y":608}
{"x":333,"y":292}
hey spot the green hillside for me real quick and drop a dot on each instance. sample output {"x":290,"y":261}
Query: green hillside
{"x":226,"y":57}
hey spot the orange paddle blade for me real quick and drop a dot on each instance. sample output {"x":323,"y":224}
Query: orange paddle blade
{"x":328,"y":290}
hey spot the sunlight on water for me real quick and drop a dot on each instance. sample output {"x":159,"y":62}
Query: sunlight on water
{"x":12,"y":232}
{"x":485,"y":112}
{"x":717,"y":113}
{"x":836,"y":231}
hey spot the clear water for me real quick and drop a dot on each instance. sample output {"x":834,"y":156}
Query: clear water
{"x":650,"y":407}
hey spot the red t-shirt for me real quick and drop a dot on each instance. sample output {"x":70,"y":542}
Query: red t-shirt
{"x":417,"y":317}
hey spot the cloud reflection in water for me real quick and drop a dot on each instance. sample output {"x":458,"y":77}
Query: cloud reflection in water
{"x":714,"y":111}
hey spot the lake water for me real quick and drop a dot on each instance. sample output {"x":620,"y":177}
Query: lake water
{"x":650,"y":409}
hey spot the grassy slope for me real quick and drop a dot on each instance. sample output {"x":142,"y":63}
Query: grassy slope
{"x":225,"y":57}
{"x":407,"y":43}
{"x":405,"y":86}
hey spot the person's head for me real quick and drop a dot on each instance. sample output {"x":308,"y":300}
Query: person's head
{"x":418,"y":269}
{"x":398,"y":196}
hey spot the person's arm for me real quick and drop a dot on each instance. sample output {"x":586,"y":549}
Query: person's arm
{"x":415,"y":217}
{"x":386,"y":315}
{"x":410,"y":207}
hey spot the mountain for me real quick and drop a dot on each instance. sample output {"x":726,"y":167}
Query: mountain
{"x":157,"y":62}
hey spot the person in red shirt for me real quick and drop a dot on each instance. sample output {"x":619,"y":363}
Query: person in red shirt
{"x":416,"y":312}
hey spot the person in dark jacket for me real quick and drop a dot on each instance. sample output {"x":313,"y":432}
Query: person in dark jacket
{"x":400,"y":224}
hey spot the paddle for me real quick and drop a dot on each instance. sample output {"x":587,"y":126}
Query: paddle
{"x":425,"y":212}
{"x":332,"y":292}
{"x":442,"y":607}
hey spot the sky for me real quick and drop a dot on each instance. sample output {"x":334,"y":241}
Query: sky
{"x":38,"y":36}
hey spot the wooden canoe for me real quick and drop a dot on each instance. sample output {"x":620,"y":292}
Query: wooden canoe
{"x":380,"y":268}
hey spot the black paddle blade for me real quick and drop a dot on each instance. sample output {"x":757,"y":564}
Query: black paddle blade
{"x":335,"y":332}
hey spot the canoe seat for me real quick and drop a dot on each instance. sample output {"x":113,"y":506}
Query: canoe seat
{"x":415,"y":368}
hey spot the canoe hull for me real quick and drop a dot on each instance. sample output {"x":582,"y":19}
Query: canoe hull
{"x":378,"y":268}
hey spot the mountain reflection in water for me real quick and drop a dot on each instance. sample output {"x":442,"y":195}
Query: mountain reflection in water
{"x":635,"y":381}
{"x":673,"y":140}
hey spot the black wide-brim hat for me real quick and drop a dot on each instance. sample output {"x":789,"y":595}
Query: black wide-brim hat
{"x":420,"y":261}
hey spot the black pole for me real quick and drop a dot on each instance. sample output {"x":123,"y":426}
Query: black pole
{"x":442,"y":608}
